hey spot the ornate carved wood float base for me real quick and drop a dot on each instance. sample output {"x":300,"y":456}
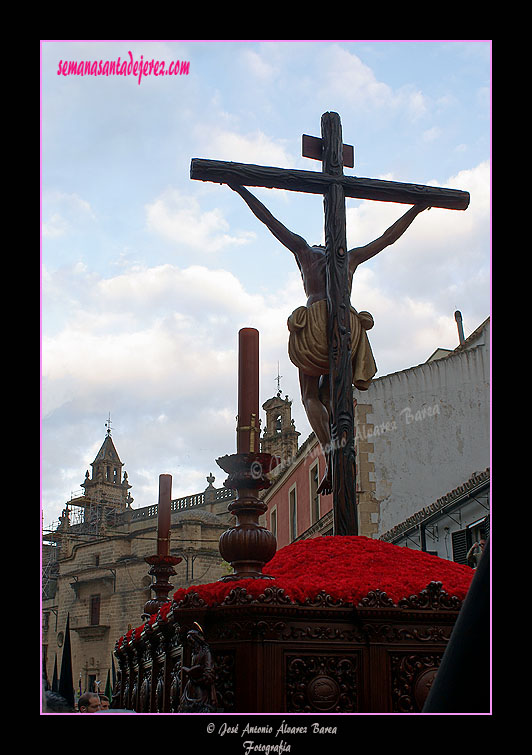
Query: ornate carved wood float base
{"x":273,"y":656}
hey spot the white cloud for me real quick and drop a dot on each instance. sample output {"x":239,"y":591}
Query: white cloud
{"x":431,"y":134}
{"x":344,"y":76}
{"x":408,"y":327}
{"x":56,"y":226}
{"x":180,"y":219}
{"x":152,"y":332}
{"x":478,"y":182}
{"x":192,"y":292}
{"x":344,"y":73}
{"x":256,"y":64}
{"x":63,"y":213}
{"x":413,"y":100}
{"x":158,"y":348}
{"x":228,"y":144}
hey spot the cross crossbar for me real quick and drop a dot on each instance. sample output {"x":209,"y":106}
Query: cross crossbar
{"x":313,"y":182}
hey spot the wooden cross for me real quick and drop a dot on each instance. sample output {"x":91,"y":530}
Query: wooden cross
{"x":335,"y":187}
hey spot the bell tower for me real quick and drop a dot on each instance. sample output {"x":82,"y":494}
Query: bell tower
{"x":107,"y":486}
{"x":280,"y":435}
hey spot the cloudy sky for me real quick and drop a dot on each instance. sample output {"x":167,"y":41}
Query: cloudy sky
{"x":147,"y":276}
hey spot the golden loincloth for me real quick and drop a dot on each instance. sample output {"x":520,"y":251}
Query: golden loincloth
{"x":308,"y":343}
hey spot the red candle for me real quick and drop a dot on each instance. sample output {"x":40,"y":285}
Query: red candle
{"x":247,"y":437}
{"x":163,"y":514}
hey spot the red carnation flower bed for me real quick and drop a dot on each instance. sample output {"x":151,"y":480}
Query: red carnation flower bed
{"x":347,"y":568}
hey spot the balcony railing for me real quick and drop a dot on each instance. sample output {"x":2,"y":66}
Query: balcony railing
{"x":182,"y":504}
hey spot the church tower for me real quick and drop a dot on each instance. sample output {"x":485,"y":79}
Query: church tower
{"x":280,"y":435}
{"x":106,"y":492}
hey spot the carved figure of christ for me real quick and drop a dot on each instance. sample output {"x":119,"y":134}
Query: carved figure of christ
{"x":327,"y":276}
{"x":311,"y":260}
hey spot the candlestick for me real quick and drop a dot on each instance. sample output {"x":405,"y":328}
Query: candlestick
{"x":162,"y":564}
{"x":162,"y":567}
{"x":247,"y":546}
{"x":163,"y":514}
{"x":247,"y":439}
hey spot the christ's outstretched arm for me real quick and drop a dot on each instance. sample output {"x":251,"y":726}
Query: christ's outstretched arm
{"x":291,"y":241}
{"x":390,"y":236}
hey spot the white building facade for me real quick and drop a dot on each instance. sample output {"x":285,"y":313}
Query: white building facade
{"x":423,"y":449}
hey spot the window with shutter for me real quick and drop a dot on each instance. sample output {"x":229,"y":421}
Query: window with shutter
{"x":273,"y":522}
{"x":293,"y":513}
{"x":461,"y":540}
{"x":314,"y":497}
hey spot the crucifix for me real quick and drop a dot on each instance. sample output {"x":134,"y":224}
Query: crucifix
{"x":337,"y":265}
